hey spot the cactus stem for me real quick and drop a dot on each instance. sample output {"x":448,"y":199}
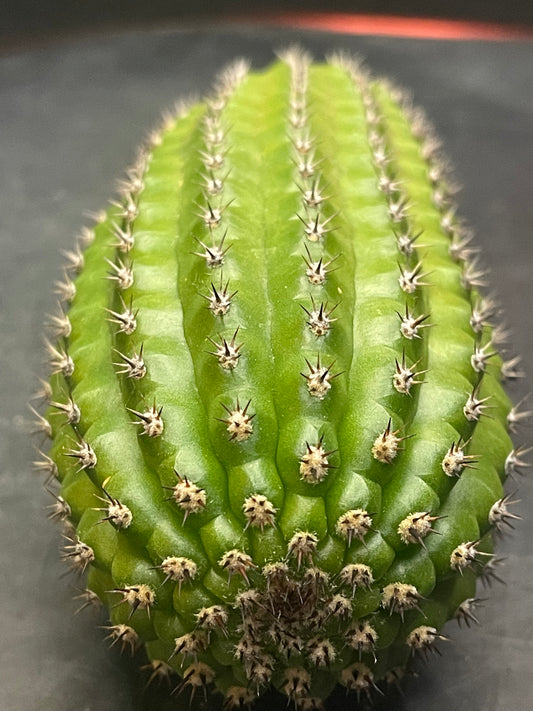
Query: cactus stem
{"x":267,"y":583}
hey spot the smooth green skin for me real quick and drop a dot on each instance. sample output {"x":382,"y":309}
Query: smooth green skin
{"x":262,"y":200}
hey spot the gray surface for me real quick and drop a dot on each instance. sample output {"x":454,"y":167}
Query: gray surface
{"x":71,"y":116}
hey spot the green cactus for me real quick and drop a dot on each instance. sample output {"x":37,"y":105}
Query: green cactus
{"x":276,"y":406}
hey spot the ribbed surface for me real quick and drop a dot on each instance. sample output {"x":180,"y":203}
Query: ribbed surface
{"x":285,"y":357}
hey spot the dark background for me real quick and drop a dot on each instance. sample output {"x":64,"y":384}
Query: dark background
{"x":44,"y":20}
{"x":76,"y":96}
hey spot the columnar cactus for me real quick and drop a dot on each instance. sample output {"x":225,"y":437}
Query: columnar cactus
{"x":276,"y":405}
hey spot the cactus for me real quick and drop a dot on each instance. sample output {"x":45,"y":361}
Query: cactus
{"x":276,"y":404}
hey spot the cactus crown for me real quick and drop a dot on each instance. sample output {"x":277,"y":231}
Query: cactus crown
{"x":275,"y":397}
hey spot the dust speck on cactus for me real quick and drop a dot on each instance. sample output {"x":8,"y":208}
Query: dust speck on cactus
{"x":279,"y":431}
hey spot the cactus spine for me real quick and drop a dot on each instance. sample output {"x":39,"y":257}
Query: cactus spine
{"x":275,"y":398}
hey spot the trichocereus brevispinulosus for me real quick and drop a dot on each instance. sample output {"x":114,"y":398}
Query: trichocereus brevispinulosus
{"x":279,"y":432}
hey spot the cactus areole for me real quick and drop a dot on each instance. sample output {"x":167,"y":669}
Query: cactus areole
{"x":278,"y":425}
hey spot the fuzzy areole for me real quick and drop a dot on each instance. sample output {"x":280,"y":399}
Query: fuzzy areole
{"x":247,"y":481}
